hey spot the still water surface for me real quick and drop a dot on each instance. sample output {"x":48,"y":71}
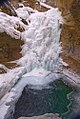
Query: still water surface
{"x":53,"y":99}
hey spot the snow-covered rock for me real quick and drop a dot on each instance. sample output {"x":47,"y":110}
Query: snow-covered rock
{"x":8,"y":80}
{"x":10,"y":25}
{"x":24,"y":12}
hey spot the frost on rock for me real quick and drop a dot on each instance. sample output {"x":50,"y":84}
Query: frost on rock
{"x":24,"y":12}
{"x":4,"y":67}
{"x":10,"y":24}
{"x":41,"y":37}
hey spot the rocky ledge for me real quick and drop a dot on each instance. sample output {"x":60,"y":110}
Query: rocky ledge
{"x":45,"y":116}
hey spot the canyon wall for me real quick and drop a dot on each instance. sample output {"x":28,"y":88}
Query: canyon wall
{"x":70,"y":36}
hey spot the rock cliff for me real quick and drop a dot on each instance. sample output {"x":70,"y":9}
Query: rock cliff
{"x":70,"y":36}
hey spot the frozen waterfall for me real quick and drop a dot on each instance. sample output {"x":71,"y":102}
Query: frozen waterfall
{"x":41,"y":41}
{"x":41,"y":37}
{"x":40,"y":62}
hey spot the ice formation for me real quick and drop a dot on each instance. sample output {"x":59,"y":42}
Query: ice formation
{"x":41,"y":41}
{"x":40,"y":62}
{"x":43,"y":3}
{"x":41,"y":37}
{"x":10,"y":24}
{"x":24,"y":12}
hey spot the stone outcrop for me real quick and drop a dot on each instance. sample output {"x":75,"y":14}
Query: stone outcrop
{"x":45,"y":116}
{"x":70,"y":36}
{"x":9,"y":50}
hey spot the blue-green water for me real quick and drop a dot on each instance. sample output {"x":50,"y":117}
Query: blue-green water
{"x":74,"y":108}
{"x":53,"y":99}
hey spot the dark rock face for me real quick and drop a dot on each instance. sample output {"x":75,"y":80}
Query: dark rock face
{"x":3,"y":1}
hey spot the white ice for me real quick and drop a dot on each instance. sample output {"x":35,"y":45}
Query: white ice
{"x":41,"y":41}
{"x":43,"y":4}
{"x":10,"y":24}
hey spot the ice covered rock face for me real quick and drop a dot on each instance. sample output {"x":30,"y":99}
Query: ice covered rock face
{"x":41,"y":37}
{"x":10,"y":25}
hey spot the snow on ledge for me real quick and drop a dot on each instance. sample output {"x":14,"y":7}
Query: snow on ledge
{"x":44,"y":5}
{"x":10,"y":24}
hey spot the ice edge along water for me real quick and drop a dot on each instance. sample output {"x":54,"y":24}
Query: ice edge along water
{"x":40,"y":52}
